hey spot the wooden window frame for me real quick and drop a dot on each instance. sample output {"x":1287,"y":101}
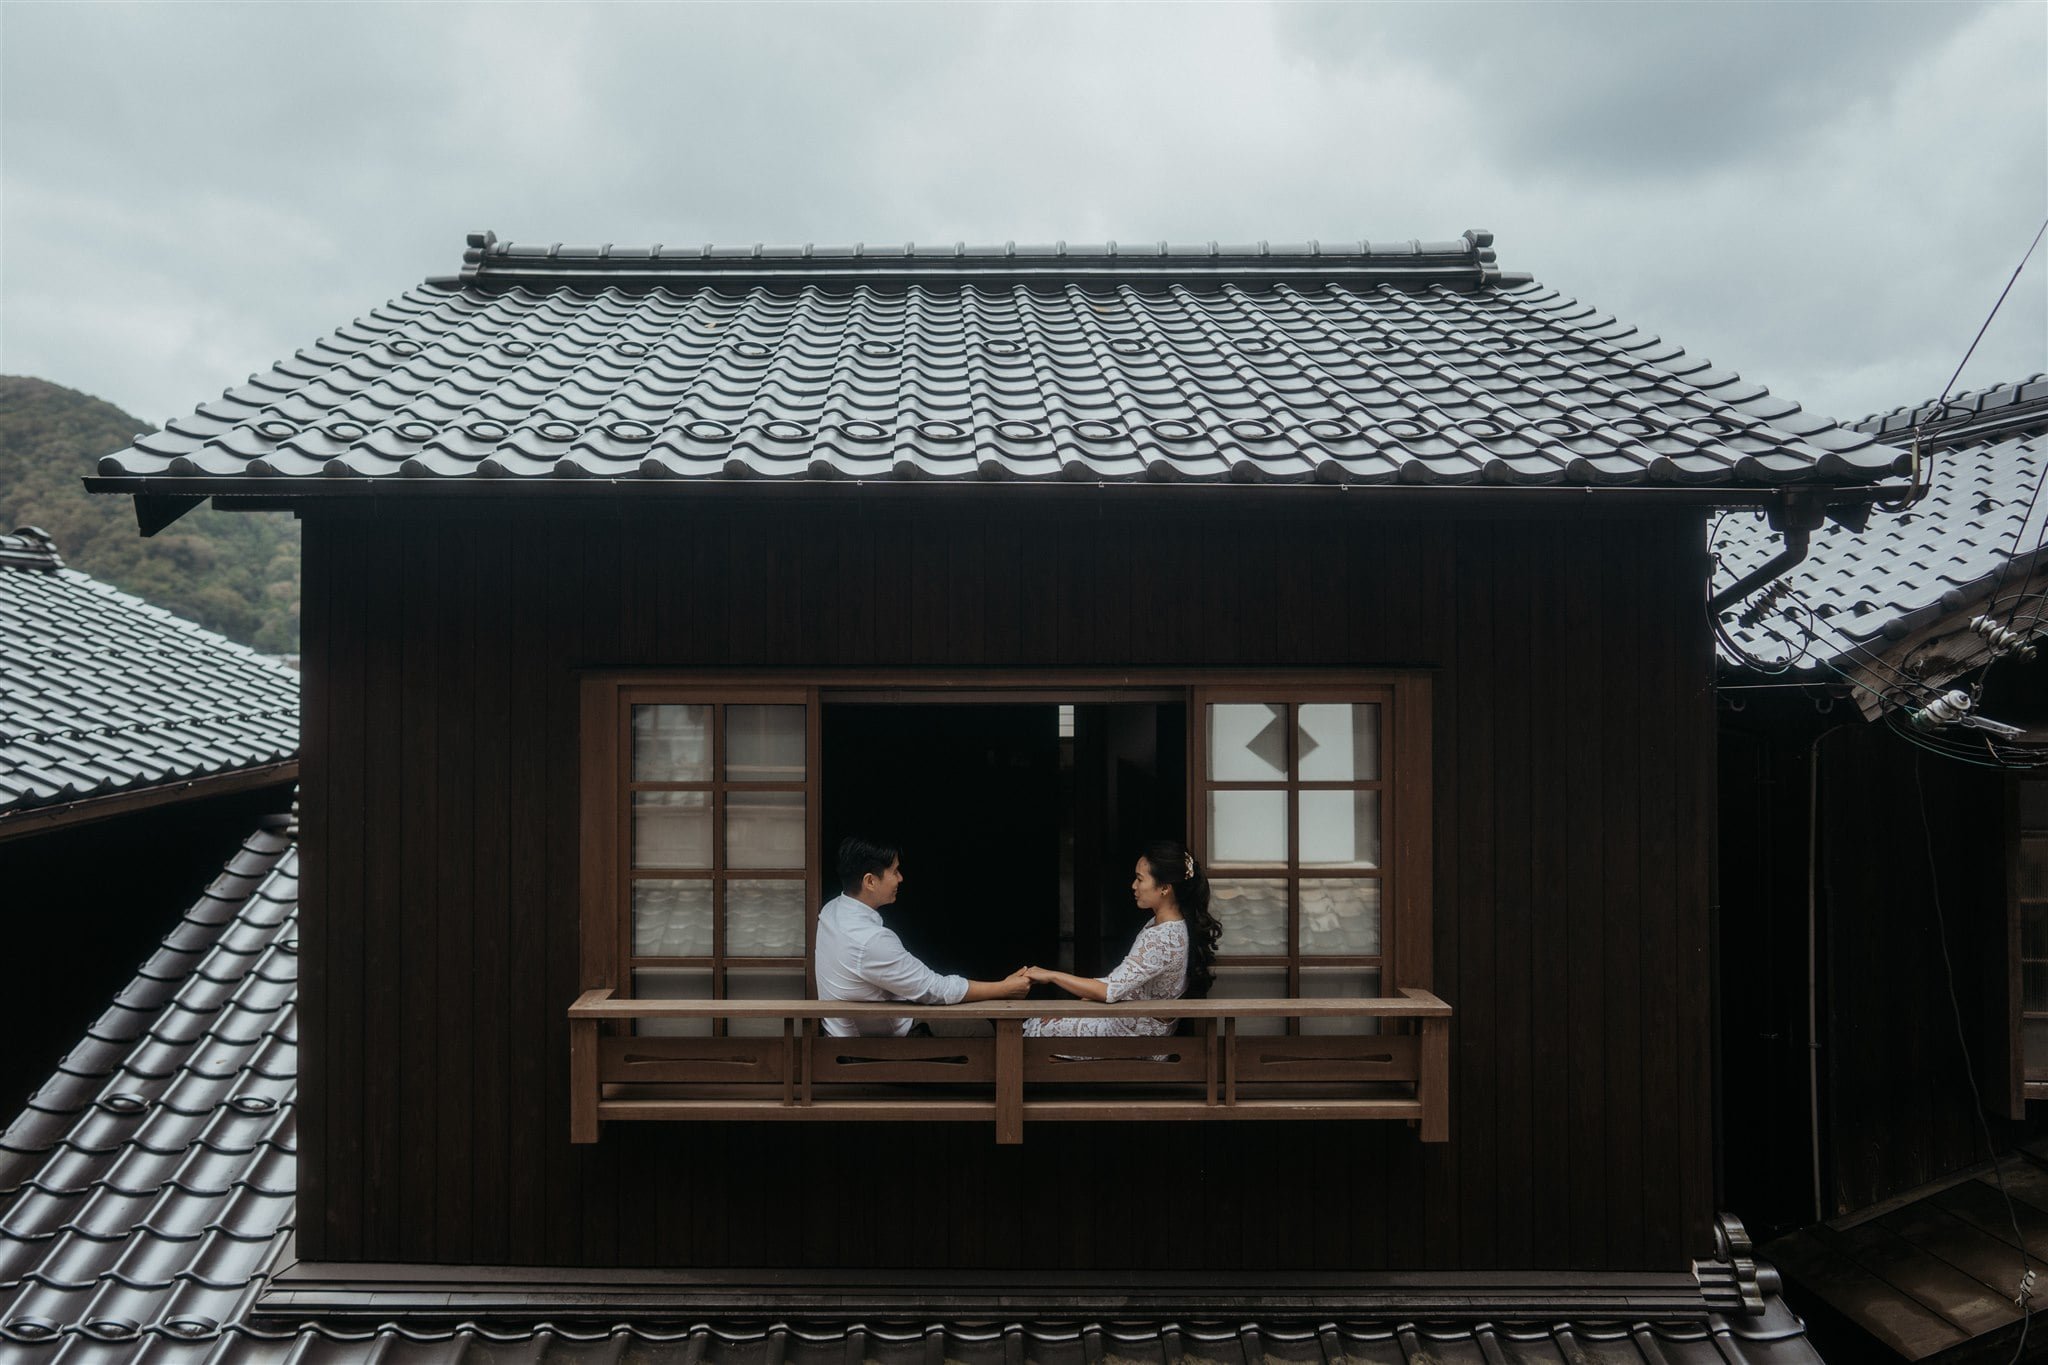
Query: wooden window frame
{"x":1406,"y":810}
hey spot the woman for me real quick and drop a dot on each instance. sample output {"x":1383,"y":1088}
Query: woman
{"x":1172,"y":956}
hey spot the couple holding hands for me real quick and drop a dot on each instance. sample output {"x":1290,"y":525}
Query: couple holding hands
{"x":860,"y":958}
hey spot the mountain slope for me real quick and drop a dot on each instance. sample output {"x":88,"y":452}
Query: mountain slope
{"x":234,"y":572}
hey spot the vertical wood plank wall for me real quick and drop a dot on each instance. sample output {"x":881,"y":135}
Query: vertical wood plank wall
{"x":1574,"y":773}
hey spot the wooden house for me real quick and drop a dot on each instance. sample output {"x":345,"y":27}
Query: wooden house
{"x":634,"y":578}
{"x":1876,"y":855}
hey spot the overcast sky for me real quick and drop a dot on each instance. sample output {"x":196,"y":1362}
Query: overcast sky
{"x":1824,"y":197}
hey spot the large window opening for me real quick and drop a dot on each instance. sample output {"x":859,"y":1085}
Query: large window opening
{"x":712,"y":807}
{"x":1019,"y":823}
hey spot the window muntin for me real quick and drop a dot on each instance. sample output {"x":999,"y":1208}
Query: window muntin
{"x":1292,"y":810}
{"x":719,"y":808}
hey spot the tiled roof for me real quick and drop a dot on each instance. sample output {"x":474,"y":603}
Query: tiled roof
{"x":1999,"y":412}
{"x":100,"y":692}
{"x":1360,"y":364}
{"x":1905,"y":570}
{"x":146,"y":1196}
{"x":143,"y":1189}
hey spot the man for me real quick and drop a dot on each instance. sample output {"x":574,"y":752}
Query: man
{"x":860,"y":958}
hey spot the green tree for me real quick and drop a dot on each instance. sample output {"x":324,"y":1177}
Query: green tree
{"x":233,"y":572}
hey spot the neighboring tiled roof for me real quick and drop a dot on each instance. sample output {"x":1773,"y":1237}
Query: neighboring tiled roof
{"x":1353,"y":365}
{"x":143,"y":1189}
{"x":102,"y":693}
{"x":1905,"y":570}
{"x":1998,"y":413}
{"x":146,"y":1195}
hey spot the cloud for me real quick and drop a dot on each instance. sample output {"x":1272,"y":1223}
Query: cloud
{"x":1824,"y":197}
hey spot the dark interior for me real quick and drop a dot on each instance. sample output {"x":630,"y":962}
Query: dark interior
{"x":994,"y":811}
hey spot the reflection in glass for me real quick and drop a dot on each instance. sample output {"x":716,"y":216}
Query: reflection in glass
{"x":771,"y":984}
{"x":764,"y":919}
{"x":672,"y":983}
{"x":1248,"y":828}
{"x":1340,"y":915}
{"x":671,"y":919}
{"x":671,"y":743}
{"x":1340,"y":829}
{"x":1340,"y":983}
{"x":1252,"y":983}
{"x":1247,"y":742}
{"x":1340,"y":741}
{"x":2034,"y":1045}
{"x":671,"y":829}
{"x":764,"y":829}
{"x":1253,"y":913}
{"x":764,"y":743}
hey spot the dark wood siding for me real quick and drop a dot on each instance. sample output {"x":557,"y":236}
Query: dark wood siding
{"x":1571,"y":932}
{"x":1895,"y":1108}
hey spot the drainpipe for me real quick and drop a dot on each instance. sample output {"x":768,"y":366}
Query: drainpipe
{"x":1795,"y":517}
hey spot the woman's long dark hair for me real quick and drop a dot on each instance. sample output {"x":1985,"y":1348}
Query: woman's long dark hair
{"x":1172,"y":865}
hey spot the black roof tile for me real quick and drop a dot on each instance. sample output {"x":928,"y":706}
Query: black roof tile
{"x":1999,"y":412}
{"x":1861,"y":589}
{"x":102,"y":693}
{"x":1311,"y":364}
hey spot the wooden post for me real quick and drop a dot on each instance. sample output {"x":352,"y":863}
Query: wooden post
{"x":789,"y":1061}
{"x":1229,"y":1061}
{"x":1009,"y":1081}
{"x":583,"y":1081}
{"x":1210,"y":1059}
{"x":1433,"y":1080}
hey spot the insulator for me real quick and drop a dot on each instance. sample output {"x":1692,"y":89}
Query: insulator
{"x":2002,"y":639}
{"x":1943,"y":710}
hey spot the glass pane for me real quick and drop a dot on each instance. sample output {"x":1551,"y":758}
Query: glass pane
{"x":1252,"y":983}
{"x":1247,"y":742}
{"x":2033,"y":869}
{"x":672,"y":983}
{"x":671,"y":829}
{"x":2034,"y":931}
{"x":1340,"y":829}
{"x":764,"y":829}
{"x":2034,"y":1041}
{"x":671,"y":919}
{"x":764,"y":743}
{"x":1340,"y":741}
{"x":762,"y":985}
{"x":1340,"y":915}
{"x":764,"y":919}
{"x":1248,"y":828}
{"x":1339,"y":983}
{"x":671,"y":743}
{"x":2034,"y":987}
{"x":1253,"y":914}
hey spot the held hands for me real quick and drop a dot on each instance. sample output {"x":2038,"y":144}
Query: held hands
{"x":1039,"y":974}
{"x":1016,"y":985}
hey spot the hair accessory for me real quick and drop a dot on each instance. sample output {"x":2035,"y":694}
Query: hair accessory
{"x":1187,"y":862}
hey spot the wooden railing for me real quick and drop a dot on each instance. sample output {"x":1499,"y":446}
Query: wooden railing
{"x":1212,"y":1069}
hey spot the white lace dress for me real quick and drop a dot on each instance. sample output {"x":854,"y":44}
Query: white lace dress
{"x":1156,"y":969}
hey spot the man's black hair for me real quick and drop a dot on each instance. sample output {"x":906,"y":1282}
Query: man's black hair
{"x":858,"y":857}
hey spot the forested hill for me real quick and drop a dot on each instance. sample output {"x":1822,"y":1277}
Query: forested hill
{"x":234,"y":572}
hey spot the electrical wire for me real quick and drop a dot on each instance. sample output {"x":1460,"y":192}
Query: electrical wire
{"x":1948,"y":968}
{"x":1940,"y":404}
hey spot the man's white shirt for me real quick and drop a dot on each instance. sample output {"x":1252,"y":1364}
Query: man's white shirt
{"x":860,"y":958}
